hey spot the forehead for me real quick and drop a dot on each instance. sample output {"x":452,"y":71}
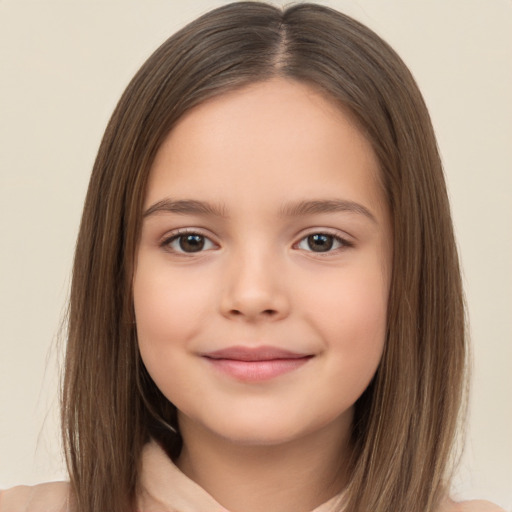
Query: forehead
{"x":279,"y":139}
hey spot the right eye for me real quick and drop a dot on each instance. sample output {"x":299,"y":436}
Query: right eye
{"x":188,"y":242}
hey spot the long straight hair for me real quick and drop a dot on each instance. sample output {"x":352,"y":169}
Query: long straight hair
{"x":405,"y":422}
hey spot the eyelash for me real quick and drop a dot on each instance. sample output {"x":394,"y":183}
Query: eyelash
{"x":343,"y":243}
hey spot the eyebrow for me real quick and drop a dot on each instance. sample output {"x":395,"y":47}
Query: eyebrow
{"x":301,"y":208}
{"x":186,"y":206}
{"x":294,"y":209}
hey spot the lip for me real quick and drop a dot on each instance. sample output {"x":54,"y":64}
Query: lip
{"x":253,"y":364}
{"x":260,"y":353}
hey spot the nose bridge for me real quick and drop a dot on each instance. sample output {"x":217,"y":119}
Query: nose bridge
{"x":255,"y":284}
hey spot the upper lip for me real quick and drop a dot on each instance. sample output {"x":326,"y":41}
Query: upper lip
{"x":260,"y":353}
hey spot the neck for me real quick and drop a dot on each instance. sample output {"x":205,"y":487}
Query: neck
{"x":294,"y":476}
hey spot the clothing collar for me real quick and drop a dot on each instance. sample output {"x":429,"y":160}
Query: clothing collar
{"x":164,"y":488}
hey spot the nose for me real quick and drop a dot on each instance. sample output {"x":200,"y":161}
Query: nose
{"x":254,"y":288}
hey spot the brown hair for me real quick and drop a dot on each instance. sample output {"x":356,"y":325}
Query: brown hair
{"x":405,"y":422}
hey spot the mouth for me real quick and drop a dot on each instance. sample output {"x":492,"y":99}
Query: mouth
{"x":253,"y":364}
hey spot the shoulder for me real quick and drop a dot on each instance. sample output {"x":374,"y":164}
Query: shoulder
{"x":471,"y":506}
{"x":49,"y":497}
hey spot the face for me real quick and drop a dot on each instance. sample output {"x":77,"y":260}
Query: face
{"x":263,"y":268}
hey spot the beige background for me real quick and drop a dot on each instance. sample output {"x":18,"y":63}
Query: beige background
{"x":64,"y":64}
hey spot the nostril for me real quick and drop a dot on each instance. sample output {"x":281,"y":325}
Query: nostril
{"x":266,"y":312}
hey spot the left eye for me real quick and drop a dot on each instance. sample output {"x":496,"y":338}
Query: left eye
{"x":321,"y":242}
{"x":189,"y":243}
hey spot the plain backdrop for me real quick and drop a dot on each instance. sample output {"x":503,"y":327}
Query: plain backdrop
{"x":64,"y":64}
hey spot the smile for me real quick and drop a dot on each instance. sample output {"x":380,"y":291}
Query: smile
{"x":253,"y":364}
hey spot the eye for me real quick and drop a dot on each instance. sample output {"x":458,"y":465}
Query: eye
{"x":188,"y":242}
{"x":322,"y":242}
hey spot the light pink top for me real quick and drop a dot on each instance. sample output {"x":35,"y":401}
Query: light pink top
{"x":164,"y":488}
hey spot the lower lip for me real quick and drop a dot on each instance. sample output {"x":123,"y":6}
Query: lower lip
{"x":254,"y":371}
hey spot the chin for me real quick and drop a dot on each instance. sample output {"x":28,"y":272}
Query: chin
{"x":253,"y":430}
{"x":271,"y":430}
{"x":260,"y":437}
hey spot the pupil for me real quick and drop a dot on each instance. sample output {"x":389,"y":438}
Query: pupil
{"x":191,"y":243}
{"x":320,"y":243}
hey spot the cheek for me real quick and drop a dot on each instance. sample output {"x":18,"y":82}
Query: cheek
{"x":351,"y":316}
{"x":168,"y":302}
{"x":167,"y":312}
{"x":155,"y":308}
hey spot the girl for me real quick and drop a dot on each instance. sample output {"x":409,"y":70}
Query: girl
{"x":266,"y":309}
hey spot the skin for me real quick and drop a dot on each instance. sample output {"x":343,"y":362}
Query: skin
{"x":272,"y":444}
